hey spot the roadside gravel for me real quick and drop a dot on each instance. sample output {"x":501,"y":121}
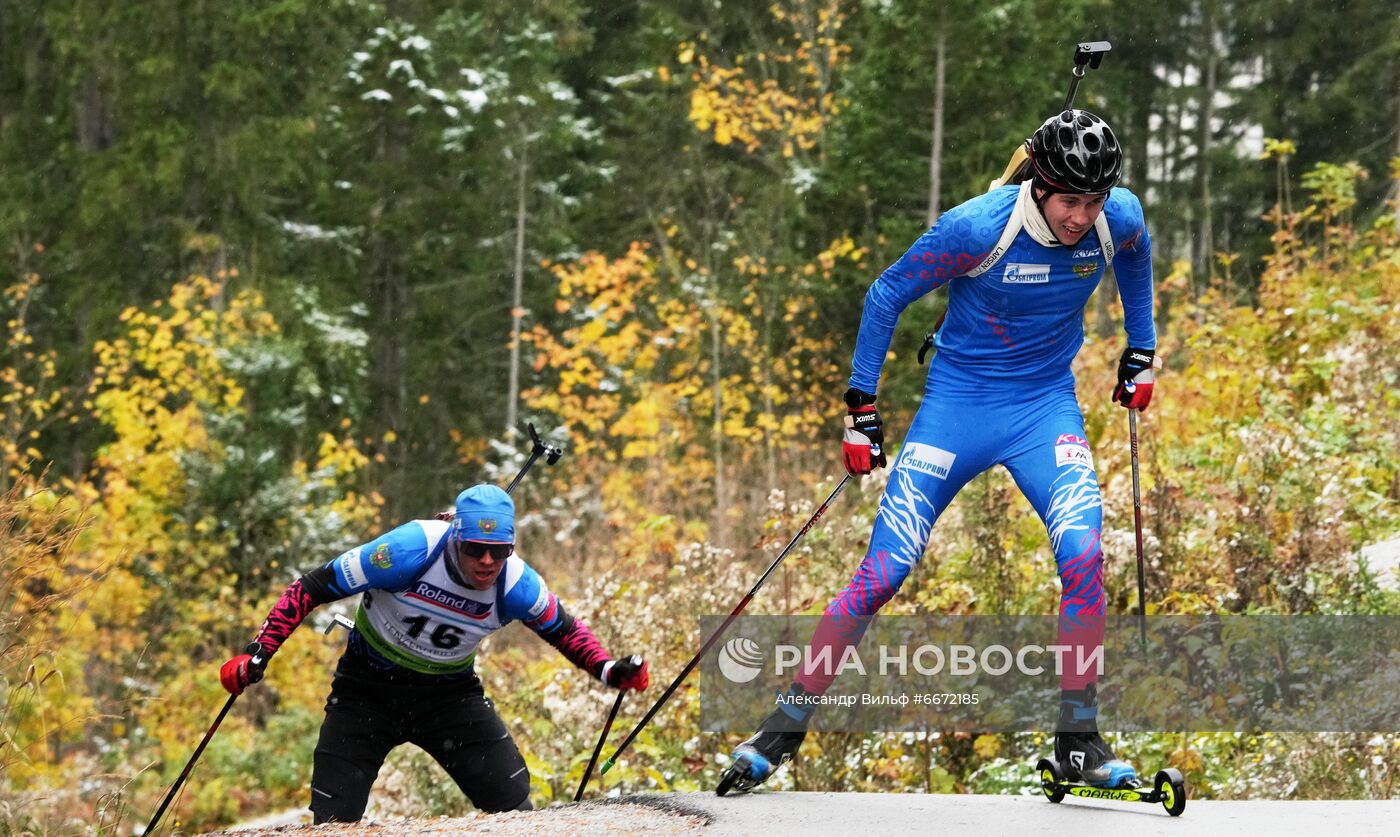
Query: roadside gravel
{"x":641,"y":816}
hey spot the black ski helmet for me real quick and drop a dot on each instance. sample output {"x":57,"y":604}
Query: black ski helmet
{"x":1075,"y":151}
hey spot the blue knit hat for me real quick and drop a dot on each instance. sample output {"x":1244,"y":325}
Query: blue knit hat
{"x":485,"y":514}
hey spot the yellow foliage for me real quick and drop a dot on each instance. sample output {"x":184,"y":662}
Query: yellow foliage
{"x":784,"y":94}
{"x":1265,"y":453}
{"x":43,"y":696}
{"x":987,"y":746}
{"x":30,"y":397}
{"x":339,"y":458}
{"x":149,"y":577}
{"x":672,"y":380}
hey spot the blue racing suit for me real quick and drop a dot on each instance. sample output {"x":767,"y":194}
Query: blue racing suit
{"x":999,"y":392}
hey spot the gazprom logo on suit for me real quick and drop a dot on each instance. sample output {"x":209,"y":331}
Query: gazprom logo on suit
{"x":1026,"y":274}
{"x":927,"y":459}
{"x":353,"y":569}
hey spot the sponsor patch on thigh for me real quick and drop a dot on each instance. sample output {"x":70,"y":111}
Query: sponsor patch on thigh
{"x":927,"y":459}
{"x":1072,"y":450}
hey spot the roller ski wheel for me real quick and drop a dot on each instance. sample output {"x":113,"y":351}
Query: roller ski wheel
{"x":727,"y":780}
{"x":1168,"y":788}
{"x":1052,"y":781}
{"x":744,"y":774}
{"x":774,"y":745}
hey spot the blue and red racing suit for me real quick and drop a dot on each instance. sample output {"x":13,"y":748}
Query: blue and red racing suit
{"x":999,"y":392}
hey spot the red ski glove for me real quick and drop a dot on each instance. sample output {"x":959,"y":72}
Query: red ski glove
{"x":862,"y":448}
{"x":243,"y":670}
{"x":1134,"y":389}
{"x":627,"y":673}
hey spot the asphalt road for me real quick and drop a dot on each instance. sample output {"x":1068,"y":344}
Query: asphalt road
{"x":787,"y":814}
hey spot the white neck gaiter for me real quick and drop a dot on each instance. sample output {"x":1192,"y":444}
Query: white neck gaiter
{"x":1031,"y":220}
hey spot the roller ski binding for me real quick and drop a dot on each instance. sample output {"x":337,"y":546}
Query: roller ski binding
{"x":1086,"y":758}
{"x":774,"y":745}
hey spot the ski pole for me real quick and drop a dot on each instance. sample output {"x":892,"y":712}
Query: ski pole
{"x":189,"y":766}
{"x":598,"y":750}
{"x":1137,"y":525}
{"x":729,"y":620}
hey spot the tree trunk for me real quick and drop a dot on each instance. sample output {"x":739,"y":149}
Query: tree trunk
{"x":1397,"y":154}
{"x":93,"y":115}
{"x":1173,"y":119}
{"x":517,"y":312}
{"x":717,"y":382}
{"x":386,"y":290}
{"x":935,"y":157}
{"x":388,"y":295}
{"x":1205,"y":244}
{"x":770,"y":453}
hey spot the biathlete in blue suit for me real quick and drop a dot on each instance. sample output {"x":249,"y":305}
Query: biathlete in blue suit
{"x":1020,"y":263}
{"x":433,"y":590}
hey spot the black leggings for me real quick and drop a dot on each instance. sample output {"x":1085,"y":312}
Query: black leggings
{"x":369,"y":713}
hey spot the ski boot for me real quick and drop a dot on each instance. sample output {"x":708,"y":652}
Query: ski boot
{"x":1081,"y":752}
{"x":774,"y":744}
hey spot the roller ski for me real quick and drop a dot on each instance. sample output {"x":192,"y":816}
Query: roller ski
{"x":774,"y":745}
{"x":1168,"y":788}
{"x":1084,"y":765}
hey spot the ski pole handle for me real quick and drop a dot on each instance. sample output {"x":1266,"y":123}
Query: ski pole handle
{"x":539,"y":447}
{"x":339,"y":620}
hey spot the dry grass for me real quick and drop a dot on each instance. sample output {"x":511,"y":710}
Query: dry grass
{"x":37,"y":533}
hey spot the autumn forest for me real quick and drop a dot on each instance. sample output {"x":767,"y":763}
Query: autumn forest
{"x":279,"y":276}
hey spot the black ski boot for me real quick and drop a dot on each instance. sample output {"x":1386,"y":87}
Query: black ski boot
{"x":774,"y":745}
{"x":1082,"y":753}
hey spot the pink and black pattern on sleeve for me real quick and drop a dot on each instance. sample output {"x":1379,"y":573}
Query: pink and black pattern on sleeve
{"x":284,"y":617}
{"x":571,"y":637}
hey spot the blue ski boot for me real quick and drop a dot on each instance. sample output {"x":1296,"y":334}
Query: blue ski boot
{"x":774,"y":745}
{"x":1082,"y":753}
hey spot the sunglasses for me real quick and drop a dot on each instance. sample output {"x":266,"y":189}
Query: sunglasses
{"x":476,"y":549}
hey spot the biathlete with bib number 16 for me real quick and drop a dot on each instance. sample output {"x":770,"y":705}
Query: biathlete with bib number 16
{"x":433,"y":590}
{"x":1020,"y":263}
